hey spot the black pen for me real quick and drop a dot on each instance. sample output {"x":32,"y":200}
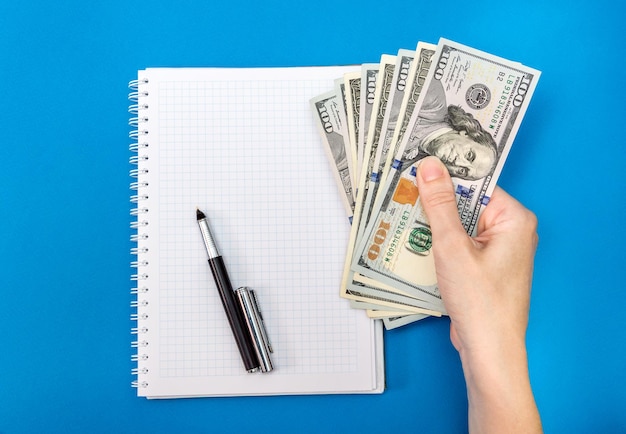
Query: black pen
{"x":233,"y":309}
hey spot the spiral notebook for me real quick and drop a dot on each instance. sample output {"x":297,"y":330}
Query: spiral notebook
{"x":241,"y":145}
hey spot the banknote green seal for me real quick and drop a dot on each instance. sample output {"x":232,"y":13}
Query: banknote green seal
{"x":420,"y":240}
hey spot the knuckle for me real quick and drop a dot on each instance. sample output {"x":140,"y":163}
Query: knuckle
{"x":529,"y":224}
{"x":530,"y":220}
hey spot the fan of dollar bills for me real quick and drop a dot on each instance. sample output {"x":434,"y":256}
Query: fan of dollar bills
{"x":457,"y":103}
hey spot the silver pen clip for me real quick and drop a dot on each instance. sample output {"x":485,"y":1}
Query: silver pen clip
{"x":256,"y":327}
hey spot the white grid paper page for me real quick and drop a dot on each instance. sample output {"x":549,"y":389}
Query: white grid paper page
{"x":241,"y":145}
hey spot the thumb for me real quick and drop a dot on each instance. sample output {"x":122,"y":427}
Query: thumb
{"x":437,"y":195}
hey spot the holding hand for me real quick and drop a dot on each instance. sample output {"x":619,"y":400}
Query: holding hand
{"x":485,"y":285}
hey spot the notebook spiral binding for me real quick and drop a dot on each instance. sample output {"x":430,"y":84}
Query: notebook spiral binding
{"x":139,"y":212}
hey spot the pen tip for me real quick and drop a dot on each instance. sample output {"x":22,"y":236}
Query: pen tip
{"x":199,"y":214}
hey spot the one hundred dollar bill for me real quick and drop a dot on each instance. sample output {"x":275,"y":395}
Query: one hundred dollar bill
{"x":382,"y":314}
{"x":340,"y":91}
{"x":413,"y":87}
{"x":369,"y":75}
{"x":362,"y":305}
{"x":467,"y":115}
{"x":394,"y":95}
{"x":352,"y":83}
{"x":327,"y":110}
{"x":399,"y":321}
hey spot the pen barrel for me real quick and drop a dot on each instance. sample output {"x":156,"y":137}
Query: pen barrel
{"x":234,"y":313}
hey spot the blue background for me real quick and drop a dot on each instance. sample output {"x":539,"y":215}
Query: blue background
{"x":64,"y":210}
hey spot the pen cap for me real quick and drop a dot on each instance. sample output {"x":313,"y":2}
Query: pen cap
{"x":256,"y":326}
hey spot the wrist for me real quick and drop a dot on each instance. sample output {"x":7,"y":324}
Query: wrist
{"x":498,"y":385}
{"x":489,"y":368}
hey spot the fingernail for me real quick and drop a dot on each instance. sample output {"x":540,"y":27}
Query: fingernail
{"x":430,"y":168}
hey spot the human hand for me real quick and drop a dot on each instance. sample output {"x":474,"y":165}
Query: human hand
{"x":484,"y":281}
{"x":485,"y":285}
